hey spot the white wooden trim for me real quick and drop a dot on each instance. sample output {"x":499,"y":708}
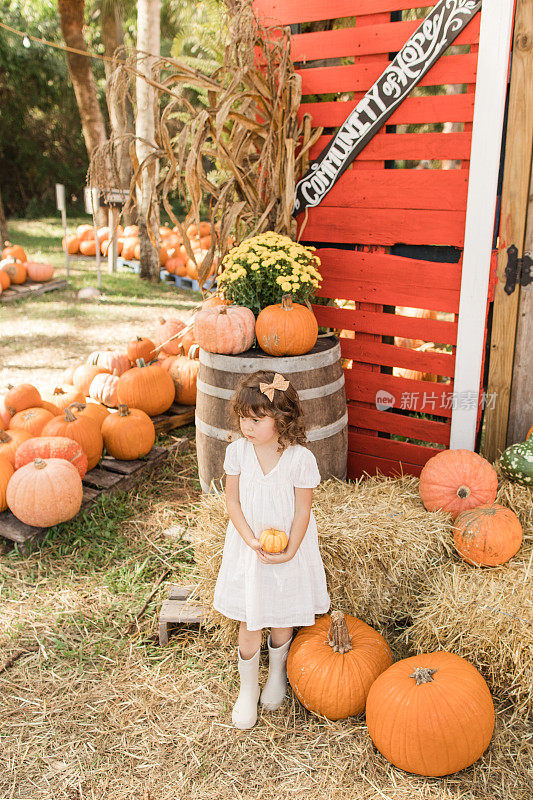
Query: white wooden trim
{"x":491,"y":86}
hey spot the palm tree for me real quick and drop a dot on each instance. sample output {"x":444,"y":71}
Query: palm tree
{"x":148,"y":42}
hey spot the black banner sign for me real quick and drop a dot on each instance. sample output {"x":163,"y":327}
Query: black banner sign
{"x":435,"y":34}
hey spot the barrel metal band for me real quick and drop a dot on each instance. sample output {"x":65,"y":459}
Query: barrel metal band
{"x":303,"y":394}
{"x":290,"y":364}
{"x":315,"y":434}
{"x":312,"y":436}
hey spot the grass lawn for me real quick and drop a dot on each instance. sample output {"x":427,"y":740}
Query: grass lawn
{"x":92,"y":708}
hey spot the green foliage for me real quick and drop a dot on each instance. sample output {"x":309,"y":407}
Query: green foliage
{"x":40,"y":132}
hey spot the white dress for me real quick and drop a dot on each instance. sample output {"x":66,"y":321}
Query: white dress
{"x":271,"y":595}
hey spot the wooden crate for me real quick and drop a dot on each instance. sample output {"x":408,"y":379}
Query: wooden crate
{"x":29,"y":289}
{"x":109,"y":477}
{"x":177,"y":610}
{"x":176,"y":417}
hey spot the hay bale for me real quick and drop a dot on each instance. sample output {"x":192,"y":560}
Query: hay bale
{"x":484,"y":614}
{"x":376,"y":539}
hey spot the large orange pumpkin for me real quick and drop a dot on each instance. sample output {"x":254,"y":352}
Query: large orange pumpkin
{"x":10,"y":441}
{"x":333,"y":663}
{"x":16,"y":272}
{"x":176,"y":266}
{"x":32,"y":420}
{"x":6,"y":471}
{"x":14,"y":251}
{"x":184,"y":373}
{"x":84,"y":376}
{"x":20,"y":397}
{"x":430,"y":714}
{"x":286,"y":329}
{"x":83,"y":430}
{"x":487,"y":534}
{"x":224,"y":329}
{"x":128,"y":434}
{"x":5,"y":280}
{"x":51,"y":447}
{"x":88,"y":247}
{"x":456,"y":480}
{"x":149,"y":388}
{"x":45,"y":492}
{"x":166,"y":329}
{"x":71,"y":244}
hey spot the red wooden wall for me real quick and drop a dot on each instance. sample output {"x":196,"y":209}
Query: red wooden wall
{"x":379,"y":203}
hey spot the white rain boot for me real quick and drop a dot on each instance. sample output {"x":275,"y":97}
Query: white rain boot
{"x":274,"y":691}
{"x":244,"y":714}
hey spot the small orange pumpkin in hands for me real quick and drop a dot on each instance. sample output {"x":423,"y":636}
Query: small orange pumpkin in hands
{"x":273,"y":541}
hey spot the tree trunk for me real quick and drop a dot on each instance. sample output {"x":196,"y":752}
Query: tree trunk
{"x":120,"y":114}
{"x":3,"y":225}
{"x":71,"y":13}
{"x":148,"y":41}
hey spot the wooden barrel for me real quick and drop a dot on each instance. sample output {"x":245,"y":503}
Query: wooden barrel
{"x":317,"y":377}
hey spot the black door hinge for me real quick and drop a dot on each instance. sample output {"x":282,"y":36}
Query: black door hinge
{"x":517,"y":269}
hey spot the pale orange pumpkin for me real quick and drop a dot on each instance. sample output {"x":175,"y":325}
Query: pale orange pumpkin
{"x":147,"y":387}
{"x":40,"y":273}
{"x":68,"y":374}
{"x":82,"y":429}
{"x":184,"y":373}
{"x":129,"y":434}
{"x":88,"y":247}
{"x":224,"y":329}
{"x":286,"y":329}
{"x":273,"y":541}
{"x":64,"y":396}
{"x":52,"y":447}
{"x":430,"y":714}
{"x":166,"y":329}
{"x":5,"y":416}
{"x":488,"y":535}
{"x":333,"y":663}
{"x":20,"y":397}
{"x":176,"y":266}
{"x":84,"y":376}
{"x":45,"y":492}
{"x":10,"y":441}
{"x":131,"y":230}
{"x":6,"y":471}
{"x":112,"y":360}
{"x":128,"y":247}
{"x":31,"y":420}
{"x":83,"y":231}
{"x":104,"y":389}
{"x":456,"y":480}
{"x":141,"y":347}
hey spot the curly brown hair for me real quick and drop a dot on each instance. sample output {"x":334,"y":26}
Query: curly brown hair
{"x":285,"y":407}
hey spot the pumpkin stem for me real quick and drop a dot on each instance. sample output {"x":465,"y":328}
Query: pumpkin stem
{"x":463,"y":491}
{"x":286,"y":302}
{"x":194,"y":349}
{"x":123,"y":410}
{"x":4,"y":437}
{"x":58,"y":390}
{"x":39,"y":463}
{"x":162,"y":320}
{"x":69,"y":416}
{"x":423,"y":675}
{"x":338,"y":634}
{"x":141,"y":362}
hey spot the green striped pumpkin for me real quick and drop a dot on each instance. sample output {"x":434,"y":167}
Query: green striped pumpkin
{"x":516,"y":462}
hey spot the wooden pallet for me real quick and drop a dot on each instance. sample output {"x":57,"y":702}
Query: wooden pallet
{"x":177,"y":610}
{"x":108,"y":477}
{"x":24,"y":290}
{"x":176,"y":417}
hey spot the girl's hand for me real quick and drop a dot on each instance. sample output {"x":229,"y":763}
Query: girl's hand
{"x":255,"y":545}
{"x":277,"y":558}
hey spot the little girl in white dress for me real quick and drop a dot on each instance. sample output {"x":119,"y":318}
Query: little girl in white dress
{"x":269,"y":484}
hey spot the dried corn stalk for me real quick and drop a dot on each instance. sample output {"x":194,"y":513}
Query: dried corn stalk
{"x":247,"y":135}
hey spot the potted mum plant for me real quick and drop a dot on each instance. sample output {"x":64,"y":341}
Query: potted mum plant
{"x":264,"y":268}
